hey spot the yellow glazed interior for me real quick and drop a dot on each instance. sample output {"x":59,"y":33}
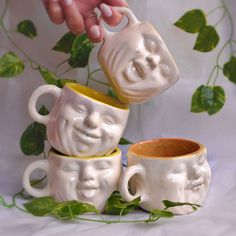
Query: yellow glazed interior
{"x":95,"y":95}
{"x":166,"y":148}
{"x":116,"y":152}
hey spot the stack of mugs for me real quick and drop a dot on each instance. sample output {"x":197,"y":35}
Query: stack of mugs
{"x":84,"y":128}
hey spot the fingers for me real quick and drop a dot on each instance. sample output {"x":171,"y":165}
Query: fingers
{"x":73,"y":18}
{"x":54,"y":11}
{"x":111,"y":16}
{"x":93,"y":29}
{"x":118,"y":3}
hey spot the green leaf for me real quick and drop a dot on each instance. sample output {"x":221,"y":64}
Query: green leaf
{"x":49,"y":77}
{"x":229,"y":69}
{"x":112,"y":94}
{"x":124,"y":141}
{"x":207,"y":39}
{"x":157,"y":214}
{"x":169,"y":204}
{"x":65,"y":43}
{"x":27,"y":28}
{"x":215,"y":101}
{"x":69,"y":210}
{"x":196,"y":105}
{"x":32,"y":140}
{"x":116,"y":205}
{"x":11,"y":65}
{"x":192,"y":21}
{"x":43,"y":111}
{"x":41,"y":206}
{"x":80,"y":51}
{"x":209,"y":99}
{"x":53,"y":79}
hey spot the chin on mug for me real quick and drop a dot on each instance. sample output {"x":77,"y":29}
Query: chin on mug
{"x":82,"y":122}
{"x":166,"y":169}
{"x":89,"y":180}
{"x":136,"y":60}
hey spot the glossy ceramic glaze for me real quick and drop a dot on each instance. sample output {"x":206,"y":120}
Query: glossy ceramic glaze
{"x":89,"y":180}
{"x":166,"y":169}
{"x":136,"y":61}
{"x":82,"y":122}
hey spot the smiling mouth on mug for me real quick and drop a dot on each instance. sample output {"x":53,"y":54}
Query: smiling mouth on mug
{"x":82,"y":135}
{"x":87,"y":192}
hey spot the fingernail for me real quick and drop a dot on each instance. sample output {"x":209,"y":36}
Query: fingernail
{"x":95,"y":31}
{"x":106,"y":10}
{"x":68,"y":3}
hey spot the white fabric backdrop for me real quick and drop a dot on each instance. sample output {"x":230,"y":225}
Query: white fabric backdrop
{"x":165,"y":116}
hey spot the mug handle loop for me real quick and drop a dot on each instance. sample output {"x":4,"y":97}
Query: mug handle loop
{"x":40,"y":164}
{"x":54,"y":90}
{"x":124,"y":182}
{"x":132,"y":19}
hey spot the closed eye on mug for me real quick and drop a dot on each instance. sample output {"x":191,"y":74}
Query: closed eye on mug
{"x":151,"y":43}
{"x":80,"y":108}
{"x":70,"y":167}
{"x":109,"y":120}
{"x":103,"y":165}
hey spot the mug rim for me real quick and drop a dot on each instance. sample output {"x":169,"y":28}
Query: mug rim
{"x":108,"y":101}
{"x":116,"y":152}
{"x":201,"y":149}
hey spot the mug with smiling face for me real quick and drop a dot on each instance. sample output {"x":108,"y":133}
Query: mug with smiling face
{"x":89,"y":180}
{"x":166,"y":169}
{"x":136,"y":61}
{"x":82,"y":122}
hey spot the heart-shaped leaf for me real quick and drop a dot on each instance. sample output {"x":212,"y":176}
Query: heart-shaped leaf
{"x":207,"y":39}
{"x":230,"y":69}
{"x":11,"y":65}
{"x":196,"y":105}
{"x":80,"y":51}
{"x":27,"y":28}
{"x":192,"y":21}
{"x":65,"y":43}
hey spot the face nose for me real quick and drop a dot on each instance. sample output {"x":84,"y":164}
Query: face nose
{"x":152,"y":61}
{"x":197,"y":172}
{"x":87,"y":174}
{"x":92,"y":120}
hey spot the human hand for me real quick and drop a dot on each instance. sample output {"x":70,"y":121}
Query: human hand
{"x":79,"y":15}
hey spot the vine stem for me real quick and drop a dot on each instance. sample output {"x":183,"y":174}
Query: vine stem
{"x":6,"y":3}
{"x":216,"y":8}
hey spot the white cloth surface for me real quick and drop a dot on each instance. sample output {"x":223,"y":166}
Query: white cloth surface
{"x":167,"y":115}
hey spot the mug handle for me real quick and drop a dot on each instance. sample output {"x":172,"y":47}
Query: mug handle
{"x":54,"y":90}
{"x":132,"y":19}
{"x":35,"y":192}
{"x":124,"y":183}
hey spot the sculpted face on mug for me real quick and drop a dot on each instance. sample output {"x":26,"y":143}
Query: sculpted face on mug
{"x":87,"y":128}
{"x":91,"y":181}
{"x":187,"y":181}
{"x":138,"y":63}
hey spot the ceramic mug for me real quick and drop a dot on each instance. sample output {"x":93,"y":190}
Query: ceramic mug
{"x":82,"y":122}
{"x":166,"y":169}
{"x":89,"y":180}
{"x":136,"y":60}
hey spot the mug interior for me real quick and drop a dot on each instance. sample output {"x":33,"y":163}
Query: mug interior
{"x":165,"y":148}
{"x":95,"y":95}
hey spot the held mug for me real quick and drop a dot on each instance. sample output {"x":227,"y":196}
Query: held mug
{"x":136,"y":60}
{"x":89,"y":180}
{"x":82,"y":122}
{"x":166,"y":169}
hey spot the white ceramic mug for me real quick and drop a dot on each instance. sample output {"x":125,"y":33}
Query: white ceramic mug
{"x":90,"y":180}
{"x":82,"y":122}
{"x":136,"y":60}
{"x":166,"y":169}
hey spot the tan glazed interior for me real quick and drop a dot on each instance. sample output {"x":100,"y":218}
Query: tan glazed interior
{"x":165,"y":148}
